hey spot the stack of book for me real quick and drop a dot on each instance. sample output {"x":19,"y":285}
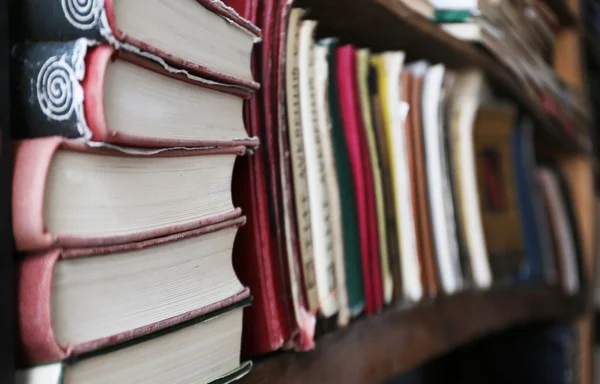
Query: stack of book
{"x":399,"y":181}
{"x":128,"y":118}
{"x":521,"y":35}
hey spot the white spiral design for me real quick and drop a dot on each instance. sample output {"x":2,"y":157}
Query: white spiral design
{"x":83,"y":14}
{"x":55,"y":89}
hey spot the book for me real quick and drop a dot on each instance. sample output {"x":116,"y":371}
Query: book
{"x":347,"y":195}
{"x":363,"y":66}
{"x":77,"y":89}
{"x":69,"y":194}
{"x":386,"y":174}
{"x":213,"y":338}
{"x":560,"y":226}
{"x":315,"y":173}
{"x":330,"y":179}
{"x":356,"y":143}
{"x":467,"y":93}
{"x":536,"y":232}
{"x":298,"y":161}
{"x":169,"y":33}
{"x":73,"y":301}
{"x":500,"y":211}
{"x":389,"y":66}
{"x":437,"y":190}
{"x":278,"y":317}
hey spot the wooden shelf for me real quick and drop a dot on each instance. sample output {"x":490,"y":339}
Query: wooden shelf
{"x":389,"y":25}
{"x":565,"y":15}
{"x":373,"y":349}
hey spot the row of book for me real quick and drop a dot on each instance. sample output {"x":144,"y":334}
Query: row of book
{"x":127,"y":120}
{"x":520,"y":34}
{"x":392,"y":182}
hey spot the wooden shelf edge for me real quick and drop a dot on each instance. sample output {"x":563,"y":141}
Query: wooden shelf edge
{"x":376,"y":348}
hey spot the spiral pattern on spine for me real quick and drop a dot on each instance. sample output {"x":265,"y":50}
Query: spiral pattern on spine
{"x":83,"y":14}
{"x":55,"y":89}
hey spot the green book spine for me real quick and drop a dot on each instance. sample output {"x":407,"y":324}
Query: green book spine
{"x":452,"y":16}
{"x":354,"y":282}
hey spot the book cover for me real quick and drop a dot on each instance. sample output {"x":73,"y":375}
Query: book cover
{"x":394,"y":112}
{"x":317,"y":188}
{"x":36,"y":274}
{"x":32,"y":164}
{"x":363,"y":66}
{"x":500,"y":211}
{"x":347,"y":194}
{"x":375,"y":99}
{"x":538,"y":242}
{"x":362,"y":176}
{"x":58,"y":88}
{"x":438,"y":186}
{"x":278,"y":317}
{"x":40,"y":20}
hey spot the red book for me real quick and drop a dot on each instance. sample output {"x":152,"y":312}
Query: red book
{"x":97,"y":93}
{"x":70,"y":194}
{"x":260,"y":253}
{"x":363,"y":177}
{"x":56,"y":319}
{"x":205,"y":37}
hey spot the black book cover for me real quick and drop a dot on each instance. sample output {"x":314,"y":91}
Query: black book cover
{"x":7,"y":305}
{"x":47,"y":95}
{"x":57,"y":20}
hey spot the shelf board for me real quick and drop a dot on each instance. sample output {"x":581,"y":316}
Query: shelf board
{"x":376,"y":348}
{"x":389,"y":25}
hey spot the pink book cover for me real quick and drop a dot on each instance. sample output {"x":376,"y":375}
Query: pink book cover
{"x":96,"y":62}
{"x":357,"y":150}
{"x":35,"y":274}
{"x":31,"y":166}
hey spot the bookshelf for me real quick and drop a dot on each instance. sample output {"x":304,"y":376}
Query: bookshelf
{"x":398,"y":339}
{"x":389,"y":25}
{"x":374,"y":349}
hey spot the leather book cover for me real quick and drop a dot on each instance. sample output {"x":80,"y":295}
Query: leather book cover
{"x":41,"y":20}
{"x":58,"y":89}
{"x":35,"y":275}
{"x":39,"y":346}
{"x":388,"y":191}
{"x":348,"y":198}
{"x":267,"y":263}
{"x":492,"y":133}
{"x":411,"y":93}
{"x":363,"y":186}
{"x":31,"y":166}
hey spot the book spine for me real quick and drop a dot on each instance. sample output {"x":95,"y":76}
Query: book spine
{"x":48,"y":98}
{"x":31,"y":165}
{"x":36,"y":336}
{"x":42,"y":20}
{"x":299,"y":165}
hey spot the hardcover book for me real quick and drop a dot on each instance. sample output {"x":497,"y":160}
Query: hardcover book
{"x":212,"y":338}
{"x":78,"y":89}
{"x":69,"y":194}
{"x":73,"y":301}
{"x":167,"y":32}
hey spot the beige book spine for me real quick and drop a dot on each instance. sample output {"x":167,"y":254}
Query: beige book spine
{"x":297,"y":155}
{"x":318,"y":198}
